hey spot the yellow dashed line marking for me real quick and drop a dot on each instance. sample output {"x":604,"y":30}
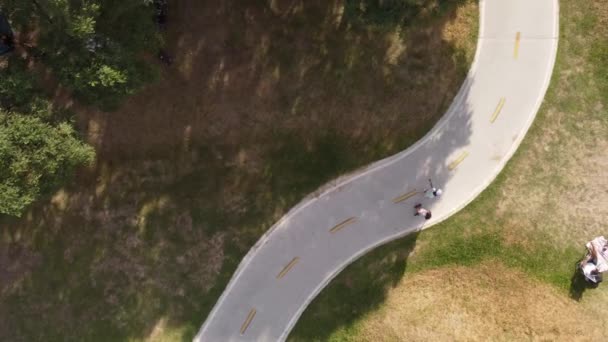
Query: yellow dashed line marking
{"x":458,"y":160}
{"x":288,"y":267}
{"x":342,"y":224}
{"x":248,"y":321}
{"x":501,"y":103}
{"x":516,"y":50}
{"x":404,"y":196}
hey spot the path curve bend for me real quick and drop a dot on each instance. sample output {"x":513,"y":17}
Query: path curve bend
{"x":463,"y":154}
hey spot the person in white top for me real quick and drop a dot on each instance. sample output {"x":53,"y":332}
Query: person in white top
{"x":596,"y":261}
{"x":420,"y":211}
{"x":432,"y":192}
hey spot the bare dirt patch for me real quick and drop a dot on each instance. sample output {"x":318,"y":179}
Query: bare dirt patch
{"x":481,"y":303}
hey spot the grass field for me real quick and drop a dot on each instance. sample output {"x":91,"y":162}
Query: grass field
{"x":265,"y":102}
{"x":503,"y":268}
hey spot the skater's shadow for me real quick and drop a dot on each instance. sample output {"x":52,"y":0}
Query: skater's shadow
{"x":578,"y":284}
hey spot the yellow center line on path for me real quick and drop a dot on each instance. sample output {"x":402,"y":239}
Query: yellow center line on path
{"x":248,"y":321}
{"x":404,"y":196}
{"x":288,"y":267}
{"x":458,"y":160}
{"x":517,"y":40}
{"x":342,"y":224}
{"x":501,"y":103}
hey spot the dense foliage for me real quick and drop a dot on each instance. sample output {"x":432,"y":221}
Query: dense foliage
{"x":20,"y":93}
{"x":95,"y":48}
{"x":34,"y":156}
{"x":38,"y":146}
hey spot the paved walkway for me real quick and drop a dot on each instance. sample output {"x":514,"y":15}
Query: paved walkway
{"x":463,"y":153}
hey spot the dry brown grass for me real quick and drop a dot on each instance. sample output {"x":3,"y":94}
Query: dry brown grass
{"x":488,"y":302}
{"x":558,"y":186}
{"x":560,"y":193}
{"x":243,"y":71}
{"x":460,"y":31}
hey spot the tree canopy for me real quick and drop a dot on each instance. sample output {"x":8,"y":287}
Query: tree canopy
{"x":35,"y":156}
{"x":95,"y":48}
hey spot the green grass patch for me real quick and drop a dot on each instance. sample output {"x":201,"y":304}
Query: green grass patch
{"x":599,"y":59}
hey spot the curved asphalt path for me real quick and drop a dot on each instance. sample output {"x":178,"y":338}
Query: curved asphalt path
{"x":463,"y":153}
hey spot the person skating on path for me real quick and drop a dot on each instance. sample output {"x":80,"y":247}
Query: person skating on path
{"x":420,"y":211}
{"x":432,"y":192}
{"x":7,"y":43}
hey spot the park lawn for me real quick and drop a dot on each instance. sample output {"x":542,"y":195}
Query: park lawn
{"x":264,"y":104}
{"x":502,"y":268}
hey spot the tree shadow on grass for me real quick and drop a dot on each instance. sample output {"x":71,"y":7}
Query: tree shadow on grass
{"x":360,"y":288}
{"x":245,"y":69}
{"x":146,"y":242}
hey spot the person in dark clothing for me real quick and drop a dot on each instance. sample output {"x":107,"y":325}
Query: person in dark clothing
{"x":164,"y":57}
{"x":7,"y":41}
{"x":161,"y":10}
{"x":7,"y":44}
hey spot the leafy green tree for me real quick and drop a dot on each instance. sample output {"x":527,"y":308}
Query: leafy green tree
{"x":20,"y":93}
{"x":95,"y":47}
{"x":34,"y":158}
